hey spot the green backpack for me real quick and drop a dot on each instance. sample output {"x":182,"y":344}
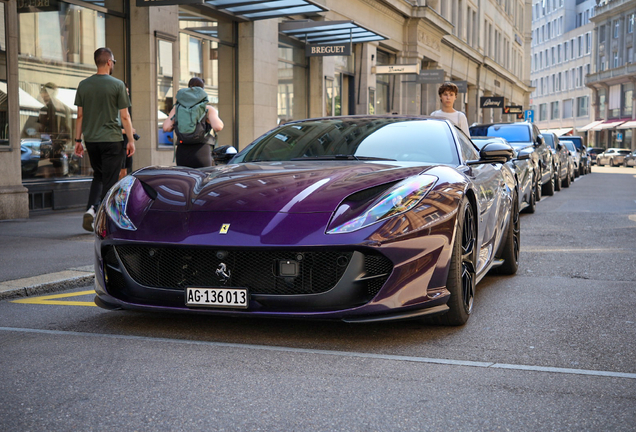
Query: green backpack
{"x":190,"y":125}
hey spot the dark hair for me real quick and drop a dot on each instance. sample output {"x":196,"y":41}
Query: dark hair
{"x":102,"y":55}
{"x":447,"y":86}
{"x":196,"y":82}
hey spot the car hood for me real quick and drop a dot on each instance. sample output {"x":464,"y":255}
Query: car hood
{"x":281,"y":187}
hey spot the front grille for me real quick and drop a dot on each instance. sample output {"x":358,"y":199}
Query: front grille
{"x":177,"y":268}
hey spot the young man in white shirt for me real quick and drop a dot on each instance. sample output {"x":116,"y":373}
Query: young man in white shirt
{"x":447,"y":96}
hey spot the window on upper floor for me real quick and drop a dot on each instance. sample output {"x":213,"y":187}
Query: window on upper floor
{"x":617,"y":27}
{"x":567,"y":108}
{"x":630,"y":23}
{"x":601,"y":34}
{"x":554,"y":110}
{"x":615,"y":59}
{"x":588,"y":42}
{"x":630,"y":55}
{"x":580,"y":42}
{"x":566,"y":46}
{"x":603,"y":64}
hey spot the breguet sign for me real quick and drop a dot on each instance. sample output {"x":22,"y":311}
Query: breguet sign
{"x":341,"y":49}
{"x":491,"y":102}
{"x":25,"y":6}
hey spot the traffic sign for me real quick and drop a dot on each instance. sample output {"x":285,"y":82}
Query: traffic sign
{"x":529,"y":116}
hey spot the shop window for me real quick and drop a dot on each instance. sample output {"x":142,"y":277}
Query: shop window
{"x":55,"y":53}
{"x":329,"y":96}
{"x":207,"y":50}
{"x":371,"y":101}
{"x":292,"y":82}
{"x":628,"y":94}
{"x":165,"y":85}
{"x":4,"y":115}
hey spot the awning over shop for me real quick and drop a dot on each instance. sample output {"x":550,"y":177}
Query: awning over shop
{"x":589,"y":126}
{"x":329,"y":32}
{"x":560,"y":131}
{"x":265,"y":9}
{"x":608,"y":124}
{"x":628,"y":125}
{"x":27,"y":102}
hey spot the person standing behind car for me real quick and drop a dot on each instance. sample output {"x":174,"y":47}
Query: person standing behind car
{"x":99,"y":99}
{"x":447,"y":96}
{"x":194,"y":155}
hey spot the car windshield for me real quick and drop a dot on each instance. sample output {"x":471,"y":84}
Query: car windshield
{"x":549,"y":140}
{"x":511,"y":132}
{"x":352,"y":138}
{"x":569,"y":145}
{"x":576,"y":140}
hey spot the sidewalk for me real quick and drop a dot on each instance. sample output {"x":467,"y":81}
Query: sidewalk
{"x":47,"y":252}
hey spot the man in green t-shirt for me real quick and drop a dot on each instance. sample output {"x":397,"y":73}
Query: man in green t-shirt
{"x":99,"y":100}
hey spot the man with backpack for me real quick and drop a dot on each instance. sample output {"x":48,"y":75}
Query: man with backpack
{"x":195,"y":124}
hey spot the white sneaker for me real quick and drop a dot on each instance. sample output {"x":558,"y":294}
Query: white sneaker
{"x":87,"y":222}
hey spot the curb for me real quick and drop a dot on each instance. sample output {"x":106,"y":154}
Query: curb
{"x":43,"y":284}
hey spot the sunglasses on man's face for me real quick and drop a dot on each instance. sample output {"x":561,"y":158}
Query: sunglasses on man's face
{"x":113,"y":60}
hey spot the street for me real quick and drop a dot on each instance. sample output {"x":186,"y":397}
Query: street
{"x":551,"y":348}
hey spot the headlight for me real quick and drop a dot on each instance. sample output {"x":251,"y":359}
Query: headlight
{"x":116,"y":203}
{"x":398,"y":199}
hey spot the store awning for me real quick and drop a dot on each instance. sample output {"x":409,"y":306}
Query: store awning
{"x":265,"y":9}
{"x":27,"y":102}
{"x":628,"y":125}
{"x":608,"y":124}
{"x":589,"y":126}
{"x":329,"y":32}
{"x":560,"y":131}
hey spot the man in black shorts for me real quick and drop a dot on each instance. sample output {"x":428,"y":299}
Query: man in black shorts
{"x":99,"y":99}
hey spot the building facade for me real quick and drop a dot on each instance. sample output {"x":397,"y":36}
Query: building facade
{"x":612,"y":81}
{"x":562,"y":36}
{"x":257,"y":63}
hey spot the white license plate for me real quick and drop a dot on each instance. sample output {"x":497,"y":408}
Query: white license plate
{"x":217,"y":297}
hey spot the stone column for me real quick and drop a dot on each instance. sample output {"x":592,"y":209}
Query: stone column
{"x":257,"y":79}
{"x":14,"y":198}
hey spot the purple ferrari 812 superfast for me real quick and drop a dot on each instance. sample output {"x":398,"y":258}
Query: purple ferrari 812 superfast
{"x":360,"y":219}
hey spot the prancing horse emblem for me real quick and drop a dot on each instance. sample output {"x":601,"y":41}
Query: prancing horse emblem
{"x":223,"y":273}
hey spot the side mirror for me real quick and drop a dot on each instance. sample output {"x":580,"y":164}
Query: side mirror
{"x":494,"y":152}
{"x":540,"y":141}
{"x":223,"y":154}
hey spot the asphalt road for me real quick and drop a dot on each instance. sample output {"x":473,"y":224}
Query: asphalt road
{"x":551,"y":348}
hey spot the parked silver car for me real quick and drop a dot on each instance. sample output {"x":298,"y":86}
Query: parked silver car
{"x":612,"y":157}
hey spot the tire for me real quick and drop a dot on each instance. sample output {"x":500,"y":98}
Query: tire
{"x":548,"y":188}
{"x":461,"y":273}
{"x":612,"y":163}
{"x":538,"y":185}
{"x":511,"y":248}
{"x":532,"y":205}
{"x":567,"y":180}
{"x":557,"y":180}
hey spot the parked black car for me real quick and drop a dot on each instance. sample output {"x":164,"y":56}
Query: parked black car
{"x":560,"y":158}
{"x":524,"y":135}
{"x":630,"y":160}
{"x":592,"y":152}
{"x":584,"y":166}
{"x":521,"y":165}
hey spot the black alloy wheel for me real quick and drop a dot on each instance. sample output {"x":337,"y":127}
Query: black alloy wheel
{"x":462,"y":270}
{"x":511,"y":245}
{"x":548,"y":188}
{"x":557,"y":179}
{"x":532,"y":203}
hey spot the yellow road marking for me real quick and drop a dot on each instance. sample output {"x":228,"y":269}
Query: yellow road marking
{"x":52,"y":299}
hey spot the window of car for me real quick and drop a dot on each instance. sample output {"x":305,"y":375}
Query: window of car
{"x":399,"y":139}
{"x":569,"y":145}
{"x":511,"y":132}
{"x":468,"y":149}
{"x":624,"y":152}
